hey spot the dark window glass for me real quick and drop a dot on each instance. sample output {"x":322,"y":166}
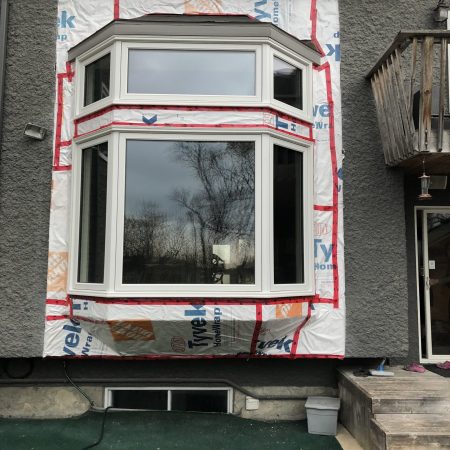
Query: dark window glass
{"x":140,"y":399}
{"x":191,"y":72}
{"x":96,"y":80}
{"x":203,"y":401}
{"x":288,"y":216}
{"x":287,"y":82}
{"x":94,"y":173}
{"x":189,"y":212}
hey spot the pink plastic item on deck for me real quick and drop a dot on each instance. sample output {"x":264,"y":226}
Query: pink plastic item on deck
{"x":445,"y":365}
{"x":415,"y":367}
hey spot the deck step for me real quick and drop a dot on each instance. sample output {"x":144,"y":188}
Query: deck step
{"x":403,"y":404}
{"x":410,"y":431}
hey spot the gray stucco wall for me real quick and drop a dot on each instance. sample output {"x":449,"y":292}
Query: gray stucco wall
{"x":25,"y":176}
{"x":376,"y":256}
{"x":374,"y":217}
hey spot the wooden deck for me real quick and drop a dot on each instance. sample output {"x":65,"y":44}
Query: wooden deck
{"x":407,"y":411}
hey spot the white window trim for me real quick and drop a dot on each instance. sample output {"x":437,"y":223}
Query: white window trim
{"x":306,"y":83}
{"x":430,"y":358}
{"x":80,"y":70}
{"x":264,"y":286}
{"x":308,"y":210}
{"x":186,"y":289}
{"x":108,"y":394}
{"x":176,"y":99}
{"x":265,"y":50}
{"x":74,"y":231}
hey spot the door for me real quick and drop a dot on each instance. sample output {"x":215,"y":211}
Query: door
{"x":434,"y":283}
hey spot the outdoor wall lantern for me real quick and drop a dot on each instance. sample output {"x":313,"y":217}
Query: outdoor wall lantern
{"x":440,"y":13}
{"x":34,"y":131}
{"x":424,"y":185}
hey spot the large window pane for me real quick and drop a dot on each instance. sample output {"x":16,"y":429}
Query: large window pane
{"x":189,"y":212}
{"x":287,"y":216}
{"x":91,"y":258}
{"x":191,"y":72}
{"x":96,"y":80}
{"x":287,"y":82}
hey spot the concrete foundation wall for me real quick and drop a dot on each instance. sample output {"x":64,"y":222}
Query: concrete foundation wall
{"x":62,"y":401}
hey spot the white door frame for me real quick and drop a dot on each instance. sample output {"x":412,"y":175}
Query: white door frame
{"x":430,"y":358}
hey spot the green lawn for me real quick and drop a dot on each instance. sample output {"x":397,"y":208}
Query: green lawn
{"x":160,"y":431}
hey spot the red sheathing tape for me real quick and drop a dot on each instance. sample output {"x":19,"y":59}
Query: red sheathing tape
{"x":334,"y":239}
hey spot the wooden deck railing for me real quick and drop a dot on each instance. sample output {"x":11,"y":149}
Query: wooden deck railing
{"x":409,"y":84}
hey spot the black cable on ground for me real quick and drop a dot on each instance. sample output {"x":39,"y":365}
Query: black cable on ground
{"x":102,"y":430}
{"x":91,"y":402}
{"x":92,"y":407}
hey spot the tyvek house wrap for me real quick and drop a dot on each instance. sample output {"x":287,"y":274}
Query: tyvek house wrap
{"x":291,"y":327}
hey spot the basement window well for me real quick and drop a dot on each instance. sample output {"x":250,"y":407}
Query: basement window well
{"x":189,"y":399}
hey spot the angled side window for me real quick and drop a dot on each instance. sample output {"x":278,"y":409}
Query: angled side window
{"x":92,"y":224}
{"x":97,"y":80}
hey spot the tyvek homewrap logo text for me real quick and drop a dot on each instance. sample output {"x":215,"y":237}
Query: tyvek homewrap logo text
{"x":73,"y":334}
{"x":65,"y":22}
{"x":283,"y":344}
{"x":325,"y":251}
{"x":200,"y":335}
{"x":72,"y":340}
{"x":261,"y":7}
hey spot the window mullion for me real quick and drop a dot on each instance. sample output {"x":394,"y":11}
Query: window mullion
{"x":111,"y":225}
{"x":266,"y":69}
{"x":266,"y":207}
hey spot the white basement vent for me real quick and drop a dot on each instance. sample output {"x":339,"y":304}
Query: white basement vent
{"x":204,"y":399}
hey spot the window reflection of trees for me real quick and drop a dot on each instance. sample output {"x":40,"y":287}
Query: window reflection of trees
{"x":211,"y":239}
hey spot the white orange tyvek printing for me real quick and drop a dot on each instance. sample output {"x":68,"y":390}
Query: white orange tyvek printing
{"x":300,"y":328}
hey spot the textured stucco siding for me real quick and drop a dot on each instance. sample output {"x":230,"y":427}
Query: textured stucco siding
{"x":375,"y":252}
{"x":25,"y":176}
{"x":374,"y":217}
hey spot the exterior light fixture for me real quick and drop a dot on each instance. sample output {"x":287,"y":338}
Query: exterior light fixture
{"x":34,"y":131}
{"x":440,"y":13}
{"x":424,"y":185}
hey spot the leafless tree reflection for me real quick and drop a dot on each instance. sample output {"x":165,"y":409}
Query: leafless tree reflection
{"x":200,"y":230}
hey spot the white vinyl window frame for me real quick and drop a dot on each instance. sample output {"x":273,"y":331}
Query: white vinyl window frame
{"x":420,"y":214}
{"x":80,"y":77}
{"x":74,"y":232}
{"x":205,"y":290}
{"x":265,"y":50}
{"x":307,"y":217}
{"x":109,"y":391}
{"x":264,"y":286}
{"x":305,"y":67}
{"x":198,"y":99}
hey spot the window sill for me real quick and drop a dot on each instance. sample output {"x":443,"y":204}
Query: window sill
{"x":177,"y":295}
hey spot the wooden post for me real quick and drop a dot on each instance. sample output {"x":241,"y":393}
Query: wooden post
{"x":384,"y":131}
{"x":442,"y":82}
{"x":413,"y":75}
{"x":427,"y":87}
{"x":406,"y":118}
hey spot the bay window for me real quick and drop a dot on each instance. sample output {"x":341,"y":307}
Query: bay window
{"x":205,"y":212}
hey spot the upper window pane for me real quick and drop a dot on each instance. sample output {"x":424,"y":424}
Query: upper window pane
{"x":287,"y":82}
{"x":189,"y":212}
{"x":91,"y":255}
{"x":191,"y":72}
{"x":288,"y":216}
{"x":96,"y":80}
